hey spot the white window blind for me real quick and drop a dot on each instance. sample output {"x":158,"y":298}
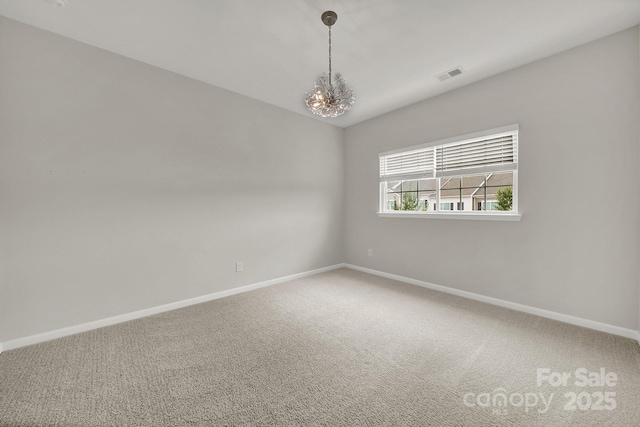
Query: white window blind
{"x":408,"y":165}
{"x":478,"y":153}
{"x":492,"y":154}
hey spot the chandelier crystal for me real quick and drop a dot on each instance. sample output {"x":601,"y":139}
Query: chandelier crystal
{"x":331,"y":97}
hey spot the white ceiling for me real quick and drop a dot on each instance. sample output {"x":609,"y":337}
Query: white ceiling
{"x":388,"y":50}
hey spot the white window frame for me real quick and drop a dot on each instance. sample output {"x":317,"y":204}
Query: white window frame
{"x":426,"y":168}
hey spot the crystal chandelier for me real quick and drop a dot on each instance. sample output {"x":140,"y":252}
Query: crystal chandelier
{"x":330,"y":97}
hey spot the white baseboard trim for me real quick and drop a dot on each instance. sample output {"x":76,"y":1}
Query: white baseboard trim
{"x":566,"y":318}
{"x":59,"y":333}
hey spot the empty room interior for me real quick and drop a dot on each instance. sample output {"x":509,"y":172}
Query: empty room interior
{"x":337,"y":213}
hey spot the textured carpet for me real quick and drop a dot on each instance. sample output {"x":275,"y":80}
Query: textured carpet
{"x":341,"y":348}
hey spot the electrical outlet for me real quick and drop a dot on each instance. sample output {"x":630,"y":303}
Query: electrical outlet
{"x":239,"y":266}
{"x":370,"y":252}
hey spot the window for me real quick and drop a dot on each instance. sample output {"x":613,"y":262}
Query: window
{"x":488,"y":206}
{"x":473,"y":174}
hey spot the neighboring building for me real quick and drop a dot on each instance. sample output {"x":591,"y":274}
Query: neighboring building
{"x":464,"y":193}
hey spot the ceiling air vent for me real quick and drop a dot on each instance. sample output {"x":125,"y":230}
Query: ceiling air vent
{"x":448,"y":74}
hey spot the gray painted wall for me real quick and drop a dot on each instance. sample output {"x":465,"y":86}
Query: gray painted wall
{"x":576,"y":249}
{"x":124,"y":187}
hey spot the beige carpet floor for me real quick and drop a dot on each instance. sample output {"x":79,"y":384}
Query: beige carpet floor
{"x":341,"y":348}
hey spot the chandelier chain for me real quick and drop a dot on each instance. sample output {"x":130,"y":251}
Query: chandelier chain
{"x":329,"y":55}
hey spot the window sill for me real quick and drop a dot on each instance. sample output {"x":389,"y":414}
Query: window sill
{"x":445,"y":215}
